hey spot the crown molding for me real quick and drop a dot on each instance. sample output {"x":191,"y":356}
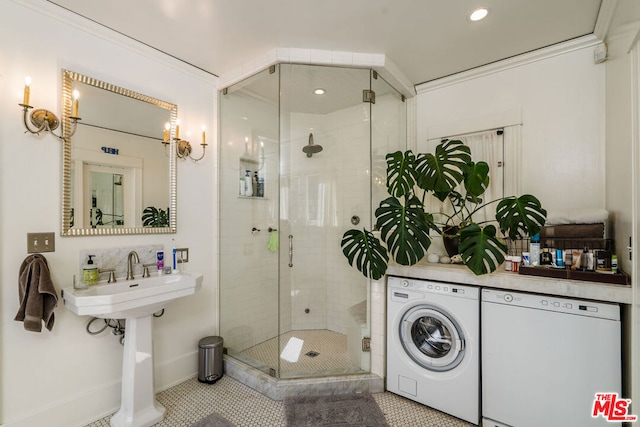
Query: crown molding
{"x":605,"y":16}
{"x":282,"y":55}
{"x":93,"y":28}
{"x":513,"y":62}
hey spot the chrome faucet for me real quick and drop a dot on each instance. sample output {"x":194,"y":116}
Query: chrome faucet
{"x":133,"y":255}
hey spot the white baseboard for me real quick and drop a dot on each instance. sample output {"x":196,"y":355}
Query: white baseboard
{"x":91,"y":405}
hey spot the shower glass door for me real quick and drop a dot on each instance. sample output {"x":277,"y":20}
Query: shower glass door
{"x":324,"y":182}
{"x":248,"y":208}
{"x":302,"y":160}
{"x":332,"y":172}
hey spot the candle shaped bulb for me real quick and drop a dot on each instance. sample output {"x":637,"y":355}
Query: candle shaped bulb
{"x":76,"y":95}
{"x":27,"y":90}
{"x":203,"y":137}
{"x":165,"y":136}
{"x":177,"y":129}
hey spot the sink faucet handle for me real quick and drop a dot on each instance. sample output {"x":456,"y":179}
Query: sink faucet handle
{"x":145,"y":272}
{"x":112,"y":274}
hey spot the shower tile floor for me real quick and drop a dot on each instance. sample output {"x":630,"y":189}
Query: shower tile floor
{"x":330,"y":349}
{"x":191,"y":400}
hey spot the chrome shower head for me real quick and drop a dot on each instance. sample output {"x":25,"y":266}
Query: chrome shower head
{"x":310,"y":149}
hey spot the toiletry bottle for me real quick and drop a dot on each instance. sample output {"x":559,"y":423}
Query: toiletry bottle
{"x":584,"y":259}
{"x":614,"y":264}
{"x":260,"y":186}
{"x":90,"y":272}
{"x":559,"y":257}
{"x":534,"y":250}
{"x":248,"y":184}
{"x":508,"y":263}
{"x":160,"y":261}
{"x":255,"y":183}
{"x":242,"y":186}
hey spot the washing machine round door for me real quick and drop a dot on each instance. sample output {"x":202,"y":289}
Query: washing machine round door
{"x":433,"y":339}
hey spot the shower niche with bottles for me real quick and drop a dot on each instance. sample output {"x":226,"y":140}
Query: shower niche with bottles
{"x":251,"y":168}
{"x":286,"y":292}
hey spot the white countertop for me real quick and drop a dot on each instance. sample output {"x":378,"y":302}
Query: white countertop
{"x":501,"y":279}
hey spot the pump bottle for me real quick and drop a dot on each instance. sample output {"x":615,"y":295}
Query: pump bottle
{"x":90,"y":272}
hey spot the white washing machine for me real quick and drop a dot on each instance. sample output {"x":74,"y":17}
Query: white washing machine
{"x":433,"y":345}
{"x":545,"y":358}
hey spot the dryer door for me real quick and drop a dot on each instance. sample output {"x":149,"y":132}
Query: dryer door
{"x":432,"y":338}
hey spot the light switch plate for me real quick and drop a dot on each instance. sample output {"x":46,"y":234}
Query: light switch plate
{"x":41,"y":242}
{"x":183,"y":255}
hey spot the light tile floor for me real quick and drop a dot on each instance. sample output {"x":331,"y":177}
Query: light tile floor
{"x":190,"y":401}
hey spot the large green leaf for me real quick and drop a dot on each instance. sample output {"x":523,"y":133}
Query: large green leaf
{"x":481,"y":250}
{"x":442,"y":171}
{"x":153,"y":217}
{"x":405,"y":229}
{"x":476,"y":180}
{"x":364,"y":250}
{"x":400,"y":179}
{"x":520,"y":216}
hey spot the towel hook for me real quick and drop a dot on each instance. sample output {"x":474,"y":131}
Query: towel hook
{"x":272,"y":229}
{"x":255,"y":230}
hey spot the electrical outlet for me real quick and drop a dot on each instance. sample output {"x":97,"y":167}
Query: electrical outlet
{"x":182,"y":255}
{"x":41,"y":242}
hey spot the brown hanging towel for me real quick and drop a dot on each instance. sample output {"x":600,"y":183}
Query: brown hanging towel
{"x":37,"y":294}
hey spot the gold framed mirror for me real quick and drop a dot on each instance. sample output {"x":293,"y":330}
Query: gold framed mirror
{"x":118,"y":169}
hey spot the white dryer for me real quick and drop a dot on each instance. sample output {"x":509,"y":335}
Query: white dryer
{"x":433,"y":346}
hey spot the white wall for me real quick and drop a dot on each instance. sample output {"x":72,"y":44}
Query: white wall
{"x":66,"y":377}
{"x":620,"y":173}
{"x":560,"y":102}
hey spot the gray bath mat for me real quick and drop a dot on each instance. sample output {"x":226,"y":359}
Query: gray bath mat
{"x":213,"y":420}
{"x":334,"y":411}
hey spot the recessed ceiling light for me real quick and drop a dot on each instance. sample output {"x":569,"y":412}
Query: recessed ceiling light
{"x":479,"y":14}
{"x":319,"y":91}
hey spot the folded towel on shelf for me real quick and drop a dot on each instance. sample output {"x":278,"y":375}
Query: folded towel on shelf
{"x":272,"y":245}
{"x":37,"y":294}
{"x":585,"y":216}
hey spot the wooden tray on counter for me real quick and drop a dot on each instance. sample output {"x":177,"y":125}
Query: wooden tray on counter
{"x":590,"y":276}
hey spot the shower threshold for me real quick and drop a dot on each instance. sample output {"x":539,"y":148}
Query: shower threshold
{"x":280,"y":388}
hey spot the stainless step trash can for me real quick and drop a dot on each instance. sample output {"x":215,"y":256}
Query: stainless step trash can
{"x":210,"y":359}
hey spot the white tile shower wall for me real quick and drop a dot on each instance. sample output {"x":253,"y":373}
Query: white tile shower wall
{"x":378,"y":321}
{"x":304,"y":179}
{"x":116,"y":258}
{"x":334,"y":186}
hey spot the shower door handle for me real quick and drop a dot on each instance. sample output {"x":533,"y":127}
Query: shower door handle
{"x":290,"y":250}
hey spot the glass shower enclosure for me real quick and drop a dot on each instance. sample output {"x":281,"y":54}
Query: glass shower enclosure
{"x":302,"y":159}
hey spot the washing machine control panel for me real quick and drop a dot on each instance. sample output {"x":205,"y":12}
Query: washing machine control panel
{"x":433,"y":287}
{"x":551,"y":303}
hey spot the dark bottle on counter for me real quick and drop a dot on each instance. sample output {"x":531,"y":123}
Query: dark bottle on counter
{"x":546,"y":258}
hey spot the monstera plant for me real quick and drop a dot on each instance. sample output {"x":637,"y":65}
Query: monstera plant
{"x":154,"y":217}
{"x":453,"y":178}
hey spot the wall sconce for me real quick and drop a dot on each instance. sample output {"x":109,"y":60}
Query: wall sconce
{"x":183,"y":148}
{"x":45,"y":120}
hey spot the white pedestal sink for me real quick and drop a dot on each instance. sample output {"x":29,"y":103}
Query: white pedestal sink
{"x":135,"y":301}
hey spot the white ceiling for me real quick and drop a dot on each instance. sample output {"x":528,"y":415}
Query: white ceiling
{"x":426,"y":39}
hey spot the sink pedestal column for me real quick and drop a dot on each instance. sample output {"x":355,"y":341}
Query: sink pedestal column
{"x":138,"y":407}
